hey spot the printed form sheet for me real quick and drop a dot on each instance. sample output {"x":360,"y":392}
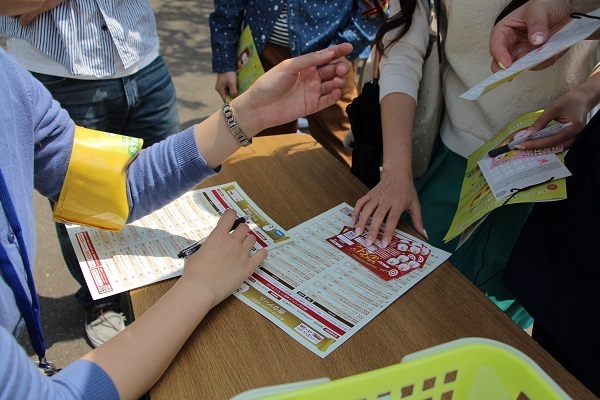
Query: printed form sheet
{"x":325,"y":285}
{"x":145,"y":251}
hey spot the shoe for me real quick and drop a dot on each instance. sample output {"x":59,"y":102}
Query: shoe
{"x":302,"y":123}
{"x":102,"y":323}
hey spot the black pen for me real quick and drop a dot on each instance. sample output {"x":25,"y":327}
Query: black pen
{"x":547,"y":131}
{"x":191,"y":249}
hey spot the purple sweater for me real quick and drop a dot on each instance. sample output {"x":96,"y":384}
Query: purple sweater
{"x":36,"y":135}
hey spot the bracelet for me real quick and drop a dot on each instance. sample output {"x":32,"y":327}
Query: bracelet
{"x":235,"y":129}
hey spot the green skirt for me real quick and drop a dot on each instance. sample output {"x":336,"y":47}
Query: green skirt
{"x":483,"y":256}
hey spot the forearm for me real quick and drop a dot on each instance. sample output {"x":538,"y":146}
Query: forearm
{"x":397,"y":116}
{"x":137,"y":357}
{"x":214,"y":138}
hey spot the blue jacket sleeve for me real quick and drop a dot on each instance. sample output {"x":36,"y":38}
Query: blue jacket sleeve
{"x":164,"y":172}
{"x":360,"y":33}
{"x":225,"y":30}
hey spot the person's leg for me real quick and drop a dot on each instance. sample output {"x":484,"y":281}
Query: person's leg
{"x":152,"y":104}
{"x":272,"y":55}
{"x":330,"y":126}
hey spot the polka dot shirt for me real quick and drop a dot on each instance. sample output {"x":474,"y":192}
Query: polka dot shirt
{"x":312,"y":25}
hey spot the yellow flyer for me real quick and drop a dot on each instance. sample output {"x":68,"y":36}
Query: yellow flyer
{"x":248,"y":66}
{"x":476,"y":198}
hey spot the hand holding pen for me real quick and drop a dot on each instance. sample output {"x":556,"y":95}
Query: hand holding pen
{"x":547,"y":131}
{"x":191,"y":249}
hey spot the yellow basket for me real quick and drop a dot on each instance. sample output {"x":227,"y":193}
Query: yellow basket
{"x":465,"y":369}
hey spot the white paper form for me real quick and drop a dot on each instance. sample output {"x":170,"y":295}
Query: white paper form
{"x":521,"y":173}
{"x":319,"y":295}
{"x":573,"y":32}
{"x":145,"y":251}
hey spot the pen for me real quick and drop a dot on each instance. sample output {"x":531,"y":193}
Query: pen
{"x":547,"y":131}
{"x":191,"y":249}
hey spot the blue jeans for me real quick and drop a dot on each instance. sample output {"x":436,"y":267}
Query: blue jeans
{"x":143,"y":105}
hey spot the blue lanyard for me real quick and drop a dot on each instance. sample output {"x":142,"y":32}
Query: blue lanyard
{"x":29,"y":311}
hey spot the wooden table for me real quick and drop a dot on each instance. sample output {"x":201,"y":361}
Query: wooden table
{"x":234,"y":349}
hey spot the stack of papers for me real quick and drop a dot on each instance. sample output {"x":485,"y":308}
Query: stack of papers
{"x":320,"y":283}
{"x":489,"y":183}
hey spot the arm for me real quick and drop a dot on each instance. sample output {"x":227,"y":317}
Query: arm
{"x":225,"y":30}
{"x":294,"y":88}
{"x":211,"y":274}
{"x":137,"y":357}
{"x":530,"y":26}
{"x":401,"y":71}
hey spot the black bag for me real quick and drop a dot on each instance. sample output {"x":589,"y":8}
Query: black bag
{"x":364,"y":114}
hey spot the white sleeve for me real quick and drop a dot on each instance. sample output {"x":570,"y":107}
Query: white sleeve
{"x":401,"y":67}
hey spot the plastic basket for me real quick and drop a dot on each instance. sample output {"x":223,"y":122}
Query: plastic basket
{"x":465,"y":369}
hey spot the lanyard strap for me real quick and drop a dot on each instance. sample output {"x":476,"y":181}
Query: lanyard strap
{"x":29,"y":310}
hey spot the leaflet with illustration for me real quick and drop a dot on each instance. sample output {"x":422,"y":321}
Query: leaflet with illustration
{"x":145,"y":251}
{"x":476,"y":197}
{"x":326,"y":284}
{"x":248,"y":65}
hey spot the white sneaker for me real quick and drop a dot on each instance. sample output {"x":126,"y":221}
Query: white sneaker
{"x":103,"y":323}
{"x":302,"y":123}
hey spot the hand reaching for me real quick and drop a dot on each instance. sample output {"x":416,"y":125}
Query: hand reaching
{"x":296,"y":87}
{"x":390,"y":197}
{"x":223,"y":262}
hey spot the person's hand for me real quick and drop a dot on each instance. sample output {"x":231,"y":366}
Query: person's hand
{"x":223,"y":262}
{"x":527,"y":28}
{"x":26,"y":18}
{"x":292,"y":89}
{"x":393,"y":195}
{"x":226,"y":83}
{"x":574,"y":107}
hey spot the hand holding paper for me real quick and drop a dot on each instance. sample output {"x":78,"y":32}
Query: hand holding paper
{"x":573,"y":32}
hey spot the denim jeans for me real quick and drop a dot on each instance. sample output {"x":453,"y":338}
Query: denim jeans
{"x":143,"y":105}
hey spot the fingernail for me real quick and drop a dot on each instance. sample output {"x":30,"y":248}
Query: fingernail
{"x":369,"y":241}
{"x":501,"y":65}
{"x":384,"y":243}
{"x":519,"y":147}
{"x":537,"y":38}
{"x":425,"y":234}
{"x":358,"y":231}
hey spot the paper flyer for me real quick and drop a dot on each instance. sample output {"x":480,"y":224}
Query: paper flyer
{"x":573,"y":32}
{"x":319,"y":294}
{"x":476,"y":198}
{"x":145,"y":251}
{"x":248,"y":65}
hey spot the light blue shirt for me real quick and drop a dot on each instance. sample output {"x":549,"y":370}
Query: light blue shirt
{"x":85,"y":35}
